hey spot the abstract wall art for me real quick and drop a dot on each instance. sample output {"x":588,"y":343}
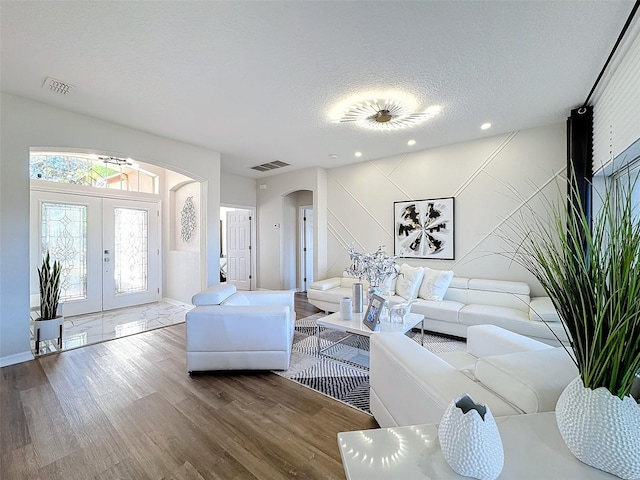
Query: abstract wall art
{"x":424,"y":228}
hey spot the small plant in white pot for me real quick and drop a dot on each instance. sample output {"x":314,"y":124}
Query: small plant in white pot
{"x":48,"y":325}
{"x":591,"y":271}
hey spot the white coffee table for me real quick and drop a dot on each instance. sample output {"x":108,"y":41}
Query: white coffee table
{"x":357,"y":327}
{"x":533,"y":450}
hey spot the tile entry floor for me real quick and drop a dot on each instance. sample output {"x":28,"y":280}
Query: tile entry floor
{"x":97,"y":327}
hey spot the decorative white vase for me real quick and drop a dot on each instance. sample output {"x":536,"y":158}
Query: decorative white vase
{"x":600,"y":429}
{"x":470,"y":440}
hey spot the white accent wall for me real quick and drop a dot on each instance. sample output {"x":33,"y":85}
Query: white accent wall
{"x":237,"y":191}
{"x":26,"y":124}
{"x":479,"y":174}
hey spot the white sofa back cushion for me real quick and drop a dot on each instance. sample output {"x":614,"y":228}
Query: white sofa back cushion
{"x":347,"y":282}
{"x":500,"y":293}
{"x":532,"y":381}
{"x":434,"y":284}
{"x":213,"y":295}
{"x":408,"y":281}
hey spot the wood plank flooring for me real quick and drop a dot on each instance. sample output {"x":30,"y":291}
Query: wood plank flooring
{"x":127,"y":409}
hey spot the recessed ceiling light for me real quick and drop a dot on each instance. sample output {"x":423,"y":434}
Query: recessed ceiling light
{"x":333,"y":155}
{"x":358,"y":154}
{"x":485,"y":126}
{"x":411,"y":142}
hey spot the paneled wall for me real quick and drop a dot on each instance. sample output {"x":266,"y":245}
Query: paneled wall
{"x":487,"y":177}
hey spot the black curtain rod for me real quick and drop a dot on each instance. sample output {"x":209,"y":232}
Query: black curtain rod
{"x":613,"y":51}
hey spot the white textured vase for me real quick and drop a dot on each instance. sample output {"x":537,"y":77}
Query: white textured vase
{"x":600,"y":429}
{"x":471,"y":444}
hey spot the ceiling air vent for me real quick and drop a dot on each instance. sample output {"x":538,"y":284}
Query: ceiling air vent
{"x":57,"y":86}
{"x":265,"y":167}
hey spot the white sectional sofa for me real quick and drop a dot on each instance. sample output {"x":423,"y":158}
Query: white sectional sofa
{"x":462,"y":302}
{"x":510,"y":373}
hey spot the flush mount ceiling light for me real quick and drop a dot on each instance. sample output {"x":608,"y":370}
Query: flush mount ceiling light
{"x":388,"y":114}
{"x":116,"y":160}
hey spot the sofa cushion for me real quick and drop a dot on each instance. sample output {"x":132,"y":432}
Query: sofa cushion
{"x":532,"y":381}
{"x":434,"y":284}
{"x":445,"y":311}
{"x":542,"y":310}
{"x":213,"y":295}
{"x":238,"y":299}
{"x":334,"y":295}
{"x":408,"y":281}
{"x":475,"y":314}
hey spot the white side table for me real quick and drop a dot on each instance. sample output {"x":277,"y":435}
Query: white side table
{"x":533,"y":450}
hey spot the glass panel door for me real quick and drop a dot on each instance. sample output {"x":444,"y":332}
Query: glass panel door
{"x":70,"y":228}
{"x":131,"y":253}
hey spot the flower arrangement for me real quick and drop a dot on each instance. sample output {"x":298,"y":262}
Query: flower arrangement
{"x":373,"y":267}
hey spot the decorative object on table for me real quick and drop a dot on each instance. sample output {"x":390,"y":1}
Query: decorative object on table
{"x":357,"y":297}
{"x":372,"y":317}
{"x":48,"y":326}
{"x":591,"y":272}
{"x":374,"y":267}
{"x":188,"y":220}
{"x":346,"y":308}
{"x":470,"y":440}
{"x":635,"y":388}
{"x":424,"y":228}
{"x":398,"y":312}
{"x":600,"y":429}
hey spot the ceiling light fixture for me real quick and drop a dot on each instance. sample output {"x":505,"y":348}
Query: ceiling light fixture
{"x":411,"y":143}
{"x":358,"y":154}
{"x":389,"y":114}
{"x":333,"y":155}
{"x":485,"y":126}
{"x":115,"y":160}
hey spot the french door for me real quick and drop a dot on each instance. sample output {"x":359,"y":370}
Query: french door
{"x":109,"y":249}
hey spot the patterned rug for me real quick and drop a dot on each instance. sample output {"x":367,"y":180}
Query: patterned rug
{"x":346,"y":383}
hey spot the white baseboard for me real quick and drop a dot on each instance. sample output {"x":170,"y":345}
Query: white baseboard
{"x":16,"y":358}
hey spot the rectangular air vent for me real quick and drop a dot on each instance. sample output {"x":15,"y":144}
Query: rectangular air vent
{"x":265,"y":167}
{"x":57,"y":86}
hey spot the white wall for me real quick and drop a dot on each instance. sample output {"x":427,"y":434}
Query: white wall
{"x":26,"y":124}
{"x":275,"y":244}
{"x":236,"y":190}
{"x":183,"y":274}
{"x":477,"y":174}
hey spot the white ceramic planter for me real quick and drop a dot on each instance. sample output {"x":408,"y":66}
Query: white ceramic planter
{"x":600,"y":429}
{"x":471,"y":444}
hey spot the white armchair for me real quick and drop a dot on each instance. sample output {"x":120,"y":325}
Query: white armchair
{"x":230,"y":330}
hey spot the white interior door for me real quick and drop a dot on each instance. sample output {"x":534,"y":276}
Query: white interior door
{"x":239,"y":249}
{"x":130,"y":253}
{"x":306,"y":247}
{"x":70,"y":227}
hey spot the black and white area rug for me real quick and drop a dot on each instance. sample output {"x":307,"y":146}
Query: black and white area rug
{"x":344,"y":382}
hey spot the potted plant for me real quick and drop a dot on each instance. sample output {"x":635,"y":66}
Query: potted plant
{"x":591,"y":272}
{"x":48,"y":325}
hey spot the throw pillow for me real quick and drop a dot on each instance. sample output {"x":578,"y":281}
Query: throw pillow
{"x":435,"y":284}
{"x":389,"y":285}
{"x":408,"y":281}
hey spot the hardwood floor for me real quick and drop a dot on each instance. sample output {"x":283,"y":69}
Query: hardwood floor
{"x":127,"y":409}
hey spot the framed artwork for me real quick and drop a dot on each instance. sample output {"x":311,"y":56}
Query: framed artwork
{"x":372,"y":316}
{"x":424,"y":228}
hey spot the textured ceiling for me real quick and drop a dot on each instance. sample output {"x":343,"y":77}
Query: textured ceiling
{"x":258,"y":81}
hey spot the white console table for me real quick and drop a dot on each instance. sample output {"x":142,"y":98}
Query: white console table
{"x":533,"y":449}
